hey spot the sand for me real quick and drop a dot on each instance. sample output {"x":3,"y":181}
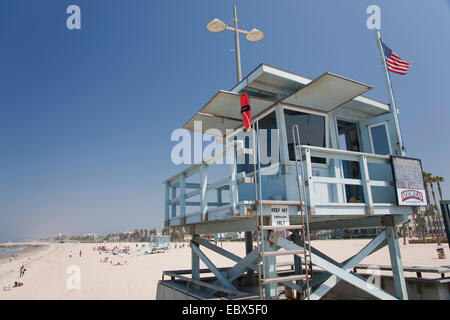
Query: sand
{"x":46,"y":276}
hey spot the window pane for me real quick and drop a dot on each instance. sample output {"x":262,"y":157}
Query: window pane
{"x":311,"y":129}
{"x":269,"y":123}
{"x":380,"y":139}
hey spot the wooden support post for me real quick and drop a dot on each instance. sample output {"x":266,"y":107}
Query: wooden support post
{"x":367,"y":189}
{"x":297,"y":259}
{"x":310,"y":190}
{"x":203,"y":190}
{"x":183,"y":196}
{"x":396,"y":263}
{"x":174,"y":206}
{"x":270,"y":270}
{"x":338,"y":190}
{"x":219,"y":275}
{"x":248,"y":249}
{"x":195,"y":262}
{"x":167,"y":204}
{"x":234,"y":196}
{"x":219,"y":197}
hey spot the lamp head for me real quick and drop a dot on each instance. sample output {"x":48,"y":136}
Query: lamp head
{"x":216,"y":25}
{"x":255,"y":35}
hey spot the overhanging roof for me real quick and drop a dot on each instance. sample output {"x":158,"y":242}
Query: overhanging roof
{"x":270,"y":80}
{"x":223,"y":112}
{"x":270,"y":85}
{"x":327,"y":92}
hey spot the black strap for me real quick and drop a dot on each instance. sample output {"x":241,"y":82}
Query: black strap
{"x":245,"y":108}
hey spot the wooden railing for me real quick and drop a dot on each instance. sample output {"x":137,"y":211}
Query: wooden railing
{"x":335,"y":167}
{"x":178,"y":182}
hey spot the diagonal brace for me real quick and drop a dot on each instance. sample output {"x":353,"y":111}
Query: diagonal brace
{"x":242,"y":265}
{"x":219,"y":250}
{"x":227,"y":284}
{"x":338,"y":271}
{"x":377,"y":243}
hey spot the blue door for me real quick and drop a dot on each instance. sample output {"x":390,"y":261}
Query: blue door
{"x":379,"y":136}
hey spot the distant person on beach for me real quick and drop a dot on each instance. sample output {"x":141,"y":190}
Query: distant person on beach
{"x":22,"y":271}
{"x":70,"y":254}
{"x":80,"y":253}
{"x":11,"y":258}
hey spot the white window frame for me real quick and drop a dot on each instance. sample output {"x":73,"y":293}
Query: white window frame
{"x":385,"y":124}
{"x":336,"y":119}
{"x":327,"y":129}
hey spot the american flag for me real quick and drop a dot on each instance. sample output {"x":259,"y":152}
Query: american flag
{"x":394,"y":62}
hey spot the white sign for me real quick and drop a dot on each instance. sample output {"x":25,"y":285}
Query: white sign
{"x":409,"y":184}
{"x":280,"y":215}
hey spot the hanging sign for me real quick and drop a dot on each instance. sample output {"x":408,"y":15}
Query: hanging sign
{"x":408,"y":181}
{"x":280,"y":215}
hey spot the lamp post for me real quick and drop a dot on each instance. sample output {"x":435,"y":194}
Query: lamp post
{"x":254,"y":35}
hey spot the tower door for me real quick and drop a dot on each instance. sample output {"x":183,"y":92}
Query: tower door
{"x":379,"y":135}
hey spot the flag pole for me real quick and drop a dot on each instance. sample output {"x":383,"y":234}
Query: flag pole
{"x":391,"y":94}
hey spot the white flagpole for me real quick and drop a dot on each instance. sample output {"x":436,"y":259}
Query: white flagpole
{"x":391,"y":94}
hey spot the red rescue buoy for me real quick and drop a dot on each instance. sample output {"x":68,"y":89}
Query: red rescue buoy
{"x":245,"y":111}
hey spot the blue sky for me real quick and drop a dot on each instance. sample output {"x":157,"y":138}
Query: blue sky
{"x":86,"y":115}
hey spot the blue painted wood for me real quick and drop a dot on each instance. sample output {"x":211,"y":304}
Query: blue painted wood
{"x":195,"y":263}
{"x":203,"y":190}
{"x":270,"y":270}
{"x":377,"y":243}
{"x":167,"y":206}
{"x":365,"y":136}
{"x":174,"y":206}
{"x":396,"y":262}
{"x":182,"y":195}
{"x":224,"y":281}
{"x":234,"y":193}
{"x":338,"y":271}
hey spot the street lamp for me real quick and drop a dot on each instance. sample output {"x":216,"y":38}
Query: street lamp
{"x":254,"y":35}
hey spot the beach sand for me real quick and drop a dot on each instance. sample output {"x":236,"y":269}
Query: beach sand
{"x":46,"y":276}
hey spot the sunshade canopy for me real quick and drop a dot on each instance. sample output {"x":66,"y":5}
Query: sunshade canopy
{"x":327,"y":92}
{"x":223,"y":112}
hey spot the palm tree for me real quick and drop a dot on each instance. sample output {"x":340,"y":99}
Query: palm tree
{"x":428,"y":177}
{"x":439,"y":180}
{"x":437,"y":214}
{"x":145,"y":234}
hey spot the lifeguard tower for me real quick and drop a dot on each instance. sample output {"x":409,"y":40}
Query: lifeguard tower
{"x":333,"y":171}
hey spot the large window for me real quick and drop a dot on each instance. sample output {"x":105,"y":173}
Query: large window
{"x":268,"y":123}
{"x":312,"y":130}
